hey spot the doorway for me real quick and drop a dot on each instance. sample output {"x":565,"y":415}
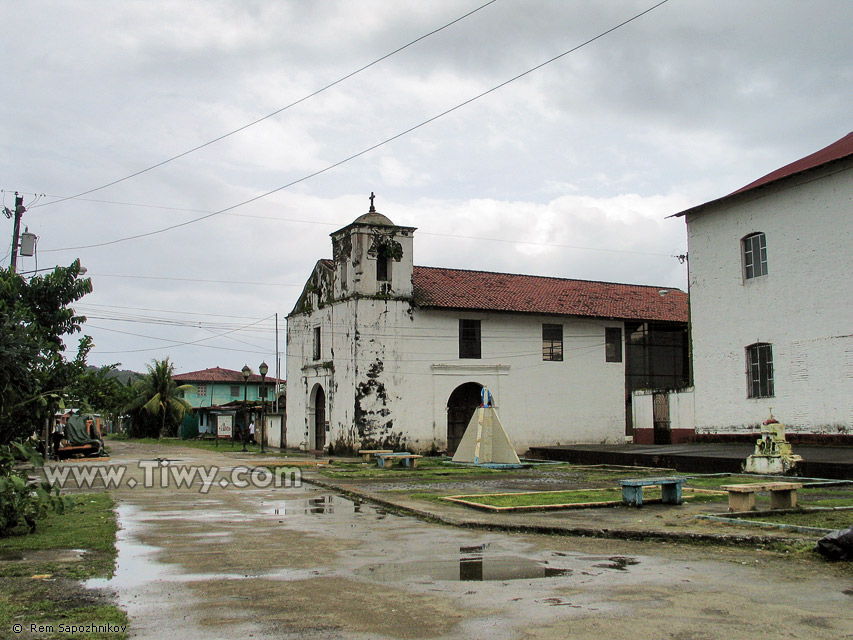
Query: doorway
{"x":319,"y":418}
{"x":660,"y":417}
{"x":460,"y":407}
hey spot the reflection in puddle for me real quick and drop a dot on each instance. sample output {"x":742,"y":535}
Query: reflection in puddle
{"x":620,"y":563}
{"x":467,"y":569}
{"x":324,"y":505}
{"x":135,"y":564}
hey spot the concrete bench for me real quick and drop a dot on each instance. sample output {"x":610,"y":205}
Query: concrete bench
{"x":409,"y":460}
{"x":632,"y":490}
{"x":366,"y":453}
{"x":783,"y":495}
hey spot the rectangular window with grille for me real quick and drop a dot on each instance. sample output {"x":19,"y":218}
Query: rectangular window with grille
{"x":201,"y":390}
{"x":552,"y":342}
{"x":759,"y":371}
{"x":469,"y":338}
{"x":235,"y":390}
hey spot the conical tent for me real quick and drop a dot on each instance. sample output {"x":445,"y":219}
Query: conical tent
{"x":485,"y":441}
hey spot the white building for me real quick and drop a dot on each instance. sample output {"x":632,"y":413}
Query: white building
{"x":383,"y":353}
{"x":771,"y":302}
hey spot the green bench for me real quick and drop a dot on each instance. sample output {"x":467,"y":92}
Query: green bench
{"x":670,"y":488}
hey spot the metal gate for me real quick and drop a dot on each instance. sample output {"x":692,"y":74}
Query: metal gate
{"x":660,"y":416}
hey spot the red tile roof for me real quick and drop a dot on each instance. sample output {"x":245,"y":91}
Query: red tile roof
{"x":217,"y":374}
{"x":838,"y":150}
{"x":486,"y":291}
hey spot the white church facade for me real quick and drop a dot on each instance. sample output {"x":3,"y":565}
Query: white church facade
{"x":382,"y":353}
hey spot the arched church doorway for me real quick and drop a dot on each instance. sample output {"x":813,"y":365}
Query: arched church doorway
{"x":460,"y":407}
{"x":319,"y":405}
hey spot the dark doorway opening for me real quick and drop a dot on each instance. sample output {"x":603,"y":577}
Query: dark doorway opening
{"x":660,"y":417}
{"x":319,"y":418}
{"x":460,"y":407}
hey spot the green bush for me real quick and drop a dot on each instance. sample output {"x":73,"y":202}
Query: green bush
{"x":23,"y":503}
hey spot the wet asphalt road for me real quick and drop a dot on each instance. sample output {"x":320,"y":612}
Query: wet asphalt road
{"x":210,"y":562}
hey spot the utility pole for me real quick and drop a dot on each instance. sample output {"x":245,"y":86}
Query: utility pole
{"x":277,"y":367}
{"x":19,"y":211}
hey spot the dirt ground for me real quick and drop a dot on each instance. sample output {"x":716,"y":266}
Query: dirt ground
{"x":305,"y":562}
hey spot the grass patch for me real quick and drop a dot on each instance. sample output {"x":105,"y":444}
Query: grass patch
{"x":553,"y":499}
{"x":549,"y":498}
{"x":44,"y":590}
{"x":819,"y":519}
{"x":428,"y":469}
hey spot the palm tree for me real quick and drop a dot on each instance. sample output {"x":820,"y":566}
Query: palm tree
{"x":157,"y":393}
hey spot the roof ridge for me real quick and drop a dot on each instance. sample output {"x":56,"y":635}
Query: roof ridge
{"x":527,"y":275}
{"x":838,"y":150}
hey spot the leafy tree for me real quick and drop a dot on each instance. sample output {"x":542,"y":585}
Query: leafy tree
{"x":98,"y":390}
{"x":158,"y":394}
{"x":34,"y":317}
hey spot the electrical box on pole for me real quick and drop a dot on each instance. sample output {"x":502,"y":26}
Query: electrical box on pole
{"x":28,"y":244}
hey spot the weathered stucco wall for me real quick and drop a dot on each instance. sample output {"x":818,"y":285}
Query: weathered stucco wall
{"x":803,"y":306}
{"x":390,"y":370}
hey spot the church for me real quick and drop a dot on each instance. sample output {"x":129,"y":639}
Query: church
{"x":385,"y":354}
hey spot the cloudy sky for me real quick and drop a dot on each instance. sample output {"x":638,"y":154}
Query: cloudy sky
{"x":570,"y":170}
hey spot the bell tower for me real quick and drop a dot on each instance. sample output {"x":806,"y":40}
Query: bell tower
{"x":373,"y":257}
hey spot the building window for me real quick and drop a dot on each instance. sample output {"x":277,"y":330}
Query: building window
{"x":613,"y":344}
{"x":759,"y":371}
{"x":469,"y":338}
{"x":235,"y":390}
{"x":382,"y":268}
{"x":754,"y":256}
{"x":262,"y":391}
{"x":201,"y":390}
{"x":552,"y":342}
{"x":317,"y":345}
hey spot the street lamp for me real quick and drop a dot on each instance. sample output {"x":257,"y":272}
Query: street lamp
{"x":246,"y":373}
{"x":263,"y":369}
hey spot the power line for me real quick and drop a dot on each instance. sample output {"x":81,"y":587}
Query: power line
{"x":176,"y":343}
{"x":339,"y":225}
{"x":368,"y":149}
{"x":277,"y":111}
{"x":172,"y":311}
{"x":263,"y":284}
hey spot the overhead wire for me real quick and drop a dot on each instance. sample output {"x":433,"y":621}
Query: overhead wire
{"x":113,"y":306}
{"x":277,"y":111}
{"x":177,"y":343}
{"x":368,"y":149}
{"x":340,"y":225}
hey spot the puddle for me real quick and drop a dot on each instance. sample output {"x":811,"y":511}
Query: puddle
{"x":324,"y":505}
{"x":135,"y":563}
{"x":43,"y":555}
{"x":467,"y":569}
{"x":620,"y":563}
